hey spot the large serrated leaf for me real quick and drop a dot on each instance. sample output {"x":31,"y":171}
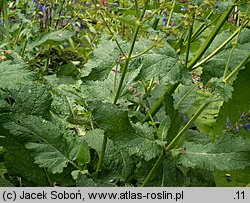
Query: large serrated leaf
{"x":118,"y":128}
{"x":228,"y":153}
{"x":103,"y":60}
{"x":161,"y":64}
{"x":53,"y":147}
{"x":19,"y":162}
{"x":30,"y":99}
{"x":13,"y":74}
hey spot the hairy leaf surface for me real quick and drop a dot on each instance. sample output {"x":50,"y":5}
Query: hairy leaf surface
{"x":53,"y":147}
{"x":228,"y":153}
{"x":115,"y":123}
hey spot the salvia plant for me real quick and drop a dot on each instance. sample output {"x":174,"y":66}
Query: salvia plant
{"x":124,"y":93}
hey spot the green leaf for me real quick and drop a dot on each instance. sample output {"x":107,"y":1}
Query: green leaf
{"x":215,"y":67}
{"x":30,"y":99}
{"x":117,"y":164}
{"x":184,"y":97}
{"x":3,"y":170}
{"x":173,"y":176}
{"x":13,"y":74}
{"x":94,"y":139}
{"x":52,"y":147}
{"x":173,"y":114}
{"x":168,"y":175}
{"x":133,"y":139}
{"x":86,"y":181}
{"x":160,"y":64}
{"x":6,"y":183}
{"x":238,"y":104}
{"x":102,"y":61}
{"x":56,"y":37}
{"x":19,"y":162}
{"x":228,"y":153}
{"x":103,"y":90}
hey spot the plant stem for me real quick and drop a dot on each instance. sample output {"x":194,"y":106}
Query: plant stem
{"x":159,"y":102}
{"x":171,"y":14}
{"x":111,"y":32}
{"x":6,"y":23}
{"x":154,"y":169}
{"x":105,"y":139}
{"x":219,"y":48}
{"x":231,"y":53}
{"x":186,"y":127}
{"x":211,"y":37}
{"x":101,"y":158}
{"x":189,"y":39}
{"x":186,"y":95}
{"x":235,"y":71}
{"x":128,"y":58}
{"x":171,"y":145}
{"x":47,"y":61}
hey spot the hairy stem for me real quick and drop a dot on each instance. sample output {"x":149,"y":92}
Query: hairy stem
{"x":101,"y":158}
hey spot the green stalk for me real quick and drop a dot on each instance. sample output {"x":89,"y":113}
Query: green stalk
{"x":189,"y":39}
{"x":101,"y":158}
{"x":171,"y":145}
{"x":159,"y":102}
{"x":219,"y":48}
{"x":154,"y":169}
{"x":171,"y":14}
{"x":235,"y":71}
{"x":105,"y":139}
{"x":201,"y":28}
{"x":6,"y":22}
{"x":18,"y":34}
{"x":125,"y":68}
{"x":231,"y":53}
{"x":186,"y":95}
{"x":211,"y":37}
{"x":186,"y":127}
{"x":47,"y":61}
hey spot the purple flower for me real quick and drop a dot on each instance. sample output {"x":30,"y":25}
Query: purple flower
{"x":237,"y":11}
{"x":237,"y":129}
{"x":228,"y":122}
{"x":164,"y":21}
{"x":172,"y":24}
{"x":42,"y":7}
{"x":247,"y":126}
{"x":183,"y":8}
